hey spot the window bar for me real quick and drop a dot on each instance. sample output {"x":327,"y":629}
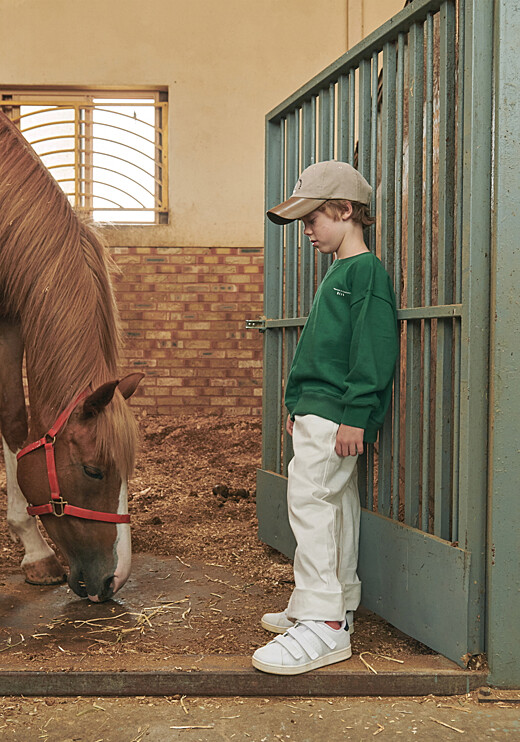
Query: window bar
{"x":77,"y":159}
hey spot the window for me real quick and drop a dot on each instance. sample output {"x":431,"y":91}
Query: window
{"x":106,"y":149}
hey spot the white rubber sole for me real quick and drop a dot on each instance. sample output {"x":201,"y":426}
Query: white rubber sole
{"x":327,"y":659}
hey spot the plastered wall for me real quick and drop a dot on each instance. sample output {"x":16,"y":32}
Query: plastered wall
{"x":186,"y":288}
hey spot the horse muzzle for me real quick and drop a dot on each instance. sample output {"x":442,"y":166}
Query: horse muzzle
{"x":97,"y":588}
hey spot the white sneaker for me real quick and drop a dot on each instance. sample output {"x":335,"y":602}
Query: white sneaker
{"x":305,"y":646}
{"x":278,"y":623}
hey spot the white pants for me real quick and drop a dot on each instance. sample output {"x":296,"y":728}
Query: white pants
{"x":324,"y":513}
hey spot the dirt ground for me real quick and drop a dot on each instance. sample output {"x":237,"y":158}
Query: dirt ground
{"x":192,"y":502}
{"x":145,"y":719}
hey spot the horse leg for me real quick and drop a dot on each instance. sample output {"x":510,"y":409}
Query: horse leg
{"x":39,"y":564}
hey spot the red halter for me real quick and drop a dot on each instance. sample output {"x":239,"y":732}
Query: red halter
{"x":57,"y":505}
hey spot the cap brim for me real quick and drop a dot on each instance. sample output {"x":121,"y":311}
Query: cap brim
{"x":294,"y":208}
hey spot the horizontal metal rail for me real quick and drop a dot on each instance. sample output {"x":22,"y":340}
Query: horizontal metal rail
{"x":415,"y":313}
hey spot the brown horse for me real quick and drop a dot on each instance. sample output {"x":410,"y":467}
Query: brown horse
{"x":57,"y":306}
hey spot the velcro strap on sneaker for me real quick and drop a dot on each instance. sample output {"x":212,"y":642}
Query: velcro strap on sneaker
{"x":302,"y":640}
{"x":291,"y":646}
{"x":321,"y":632}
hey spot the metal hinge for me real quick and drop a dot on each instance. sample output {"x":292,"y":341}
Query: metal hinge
{"x":256,"y":324}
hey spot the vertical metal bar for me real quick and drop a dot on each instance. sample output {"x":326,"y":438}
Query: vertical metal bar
{"x":457,"y":329}
{"x":445,"y":392}
{"x":388,"y":120}
{"x":503,"y":591}
{"x":476,"y":234}
{"x":370,"y":476}
{"x":428,"y":235}
{"x":364,"y":118}
{"x":326,"y":152}
{"x":351,"y":116}
{"x":343,"y":119}
{"x":327,"y":120}
{"x":308,"y":157}
{"x":273,"y":293}
{"x":292,"y":165}
{"x":363,"y":165}
{"x":414,"y":272}
{"x":399,"y":134}
{"x":373,"y":145}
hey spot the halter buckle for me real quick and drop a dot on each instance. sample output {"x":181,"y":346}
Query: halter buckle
{"x":58,"y":507}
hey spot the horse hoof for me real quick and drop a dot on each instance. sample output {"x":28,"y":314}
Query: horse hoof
{"x":46,"y":571}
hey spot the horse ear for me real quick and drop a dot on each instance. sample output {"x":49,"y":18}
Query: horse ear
{"x":129,"y":384}
{"x":98,"y":400}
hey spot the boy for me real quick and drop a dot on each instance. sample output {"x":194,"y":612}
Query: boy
{"x":337,"y":394}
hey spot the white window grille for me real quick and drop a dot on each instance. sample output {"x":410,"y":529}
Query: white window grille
{"x":107,"y":150}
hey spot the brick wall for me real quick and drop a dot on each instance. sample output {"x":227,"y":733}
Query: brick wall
{"x":183,"y":312}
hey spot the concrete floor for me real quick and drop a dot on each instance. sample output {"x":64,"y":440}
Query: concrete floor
{"x":329,"y":706}
{"x":48,"y":642}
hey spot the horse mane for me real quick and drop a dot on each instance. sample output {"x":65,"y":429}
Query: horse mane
{"x":55,"y":280}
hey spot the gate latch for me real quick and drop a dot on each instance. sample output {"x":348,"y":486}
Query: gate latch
{"x":256,"y":324}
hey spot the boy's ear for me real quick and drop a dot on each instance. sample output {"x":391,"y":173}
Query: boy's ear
{"x":347,"y":212}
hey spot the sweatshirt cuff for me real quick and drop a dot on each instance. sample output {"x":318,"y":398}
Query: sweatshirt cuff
{"x":356,"y":418}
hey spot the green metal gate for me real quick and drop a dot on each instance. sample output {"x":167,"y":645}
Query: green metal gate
{"x":401,"y":106}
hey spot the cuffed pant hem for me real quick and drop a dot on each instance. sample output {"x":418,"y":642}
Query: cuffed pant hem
{"x":314,"y":605}
{"x":352,"y":596}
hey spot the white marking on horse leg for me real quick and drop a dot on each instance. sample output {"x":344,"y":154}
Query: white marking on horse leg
{"x":122,"y":546}
{"x":22,"y":525}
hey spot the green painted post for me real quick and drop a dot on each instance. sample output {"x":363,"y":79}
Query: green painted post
{"x":503,"y":594}
{"x":476,"y":237}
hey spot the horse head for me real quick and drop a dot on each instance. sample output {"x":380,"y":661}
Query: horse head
{"x":90,"y":449}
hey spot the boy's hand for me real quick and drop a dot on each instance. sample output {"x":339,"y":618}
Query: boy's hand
{"x":349,"y":441}
{"x":289,"y":425}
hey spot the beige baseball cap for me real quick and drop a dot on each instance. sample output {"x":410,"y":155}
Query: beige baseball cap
{"x":318,"y":183}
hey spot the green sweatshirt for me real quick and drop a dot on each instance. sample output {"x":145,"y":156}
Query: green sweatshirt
{"x":345,"y":360}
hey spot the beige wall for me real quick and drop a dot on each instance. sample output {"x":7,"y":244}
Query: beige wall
{"x":364,"y":16}
{"x":225,"y":62}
